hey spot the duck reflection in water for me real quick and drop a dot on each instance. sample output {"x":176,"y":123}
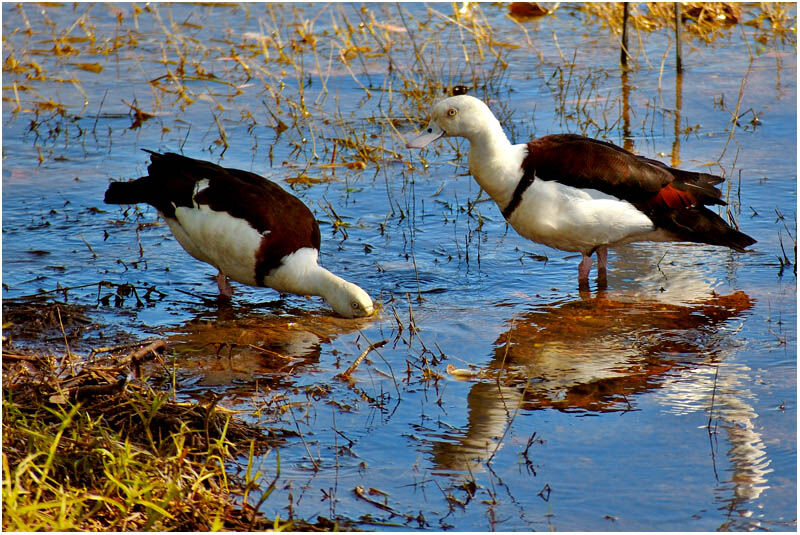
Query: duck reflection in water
{"x":591,"y":354}
{"x":233,"y":351}
{"x":598,"y":354}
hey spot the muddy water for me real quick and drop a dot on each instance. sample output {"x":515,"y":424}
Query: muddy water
{"x":666,"y":402}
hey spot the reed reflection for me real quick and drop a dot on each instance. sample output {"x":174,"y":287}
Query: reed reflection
{"x":627,"y":140}
{"x":675,"y":159}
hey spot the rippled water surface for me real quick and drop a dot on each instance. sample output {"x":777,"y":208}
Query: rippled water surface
{"x":667,"y":402}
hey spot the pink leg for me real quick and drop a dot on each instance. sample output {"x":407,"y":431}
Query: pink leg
{"x":225,"y":289}
{"x":602,"y":258}
{"x":583,"y":268}
{"x":602,"y":263}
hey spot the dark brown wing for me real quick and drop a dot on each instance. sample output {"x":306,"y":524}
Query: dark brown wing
{"x":674,"y":199}
{"x":284,"y":221}
{"x":587,"y":163}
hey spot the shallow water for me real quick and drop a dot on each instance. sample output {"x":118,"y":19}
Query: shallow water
{"x":667,"y":402}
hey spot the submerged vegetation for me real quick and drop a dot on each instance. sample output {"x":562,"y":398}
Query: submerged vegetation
{"x":97,"y":434}
{"x":287,"y":74}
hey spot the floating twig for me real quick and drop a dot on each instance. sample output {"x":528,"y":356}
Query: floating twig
{"x":153,"y":347}
{"x":362,"y":356}
{"x":361,"y":492}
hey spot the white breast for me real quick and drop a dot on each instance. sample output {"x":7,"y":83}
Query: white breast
{"x":573,"y":219}
{"x":228,"y":243}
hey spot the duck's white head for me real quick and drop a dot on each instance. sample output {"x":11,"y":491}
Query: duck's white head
{"x":348,"y":300}
{"x":462,"y":115}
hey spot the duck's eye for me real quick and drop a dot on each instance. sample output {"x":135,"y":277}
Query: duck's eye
{"x":452,"y":112}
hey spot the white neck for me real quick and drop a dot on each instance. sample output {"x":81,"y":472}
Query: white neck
{"x":301,"y":274}
{"x":495,"y":163}
{"x":327,"y":285}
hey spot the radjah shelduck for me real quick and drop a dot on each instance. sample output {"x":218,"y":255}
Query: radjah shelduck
{"x":579,"y":194}
{"x":247,"y":227}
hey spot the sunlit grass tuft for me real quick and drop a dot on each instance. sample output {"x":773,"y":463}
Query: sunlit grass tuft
{"x":123,"y":460}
